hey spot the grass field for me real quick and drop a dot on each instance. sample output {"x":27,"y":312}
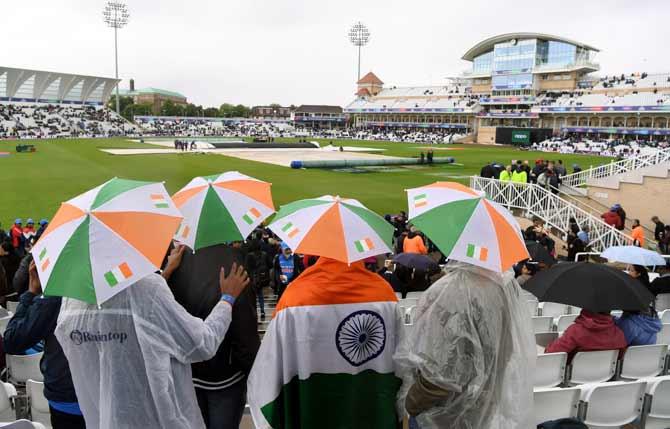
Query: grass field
{"x":34,"y":184}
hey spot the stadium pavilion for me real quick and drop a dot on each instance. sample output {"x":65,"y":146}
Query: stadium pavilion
{"x":522,"y":88}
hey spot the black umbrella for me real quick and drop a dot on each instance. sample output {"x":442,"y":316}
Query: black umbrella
{"x":417,"y":262}
{"x":538,"y":253}
{"x":595,"y":287}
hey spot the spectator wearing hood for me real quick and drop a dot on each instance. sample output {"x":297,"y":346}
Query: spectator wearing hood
{"x":287,"y":266}
{"x":611,"y":217}
{"x":639,"y":328}
{"x":590,"y":332}
{"x":622,"y":215}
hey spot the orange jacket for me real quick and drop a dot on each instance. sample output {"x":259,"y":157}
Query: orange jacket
{"x":638,"y":235}
{"x":414,"y":245}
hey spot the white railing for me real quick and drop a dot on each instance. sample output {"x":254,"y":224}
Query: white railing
{"x":624,"y":166}
{"x":552,"y":209}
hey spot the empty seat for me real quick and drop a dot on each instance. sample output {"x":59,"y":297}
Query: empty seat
{"x":613,"y":404}
{"x":574,"y":310}
{"x":564,"y":321}
{"x":664,"y":316}
{"x":593,"y":367}
{"x":554,"y":404}
{"x":414,"y":295}
{"x":663,"y":301}
{"x":550,"y":370}
{"x":543,"y":339}
{"x":23,"y":368}
{"x":552,"y":309}
{"x":658,"y":412}
{"x":543,"y":324}
{"x":663,"y":337}
{"x":21,"y":424}
{"x":643,"y":361}
{"x":7,"y":394}
{"x":39,"y":406}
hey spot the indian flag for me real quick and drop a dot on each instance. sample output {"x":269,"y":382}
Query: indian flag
{"x":44,"y":259}
{"x":118,"y":274}
{"x":290,"y":230}
{"x":251,"y":216}
{"x":477,"y":252}
{"x":159,"y":200}
{"x":420,"y":200}
{"x":364,"y":245}
{"x":326,"y":360}
{"x":183,"y":231}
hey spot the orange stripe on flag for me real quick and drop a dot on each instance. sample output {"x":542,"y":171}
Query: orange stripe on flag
{"x":421,"y":204}
{"x":157,"y":197}
{"x":483,"y":254}
{"x":45,"y":265}
{"x":255,"y":212}
{"x":125,"y":270}
{"x":369,"y":243}
{"x":293,"y":233}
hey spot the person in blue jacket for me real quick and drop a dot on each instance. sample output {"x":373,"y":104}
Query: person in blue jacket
{"x":639,"y":327}
{"x":35,"y":320}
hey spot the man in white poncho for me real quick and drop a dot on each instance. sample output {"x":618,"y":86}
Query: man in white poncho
{"x":469,"y":360}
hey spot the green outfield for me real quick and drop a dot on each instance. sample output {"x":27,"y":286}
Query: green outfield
{"x":34,"y":184}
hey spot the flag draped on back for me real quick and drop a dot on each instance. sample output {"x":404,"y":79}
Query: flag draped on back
{"x":326,"y":359}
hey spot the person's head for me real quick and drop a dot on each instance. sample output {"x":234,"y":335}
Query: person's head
{"x":639,"y":272}
{"x":613,"y":209}
{"x":525,"y":162}
{"x":254,"y":245}
{"x":44,"y":222}
{"x":508,"y":168}
{"x":636,"y":223}
{"x":529,"y":268}
{"x":18,"y":222}
{"x":30,"y":223}
{"x":560,"y":162}
{"x":286,"y":251}
{"x":655,"y":219}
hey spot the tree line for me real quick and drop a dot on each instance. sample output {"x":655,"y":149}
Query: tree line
{"x":129,"y":108}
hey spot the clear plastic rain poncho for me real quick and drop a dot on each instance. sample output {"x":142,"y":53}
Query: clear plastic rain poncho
{"x":469,"y":358}
{"x":130,"y":359}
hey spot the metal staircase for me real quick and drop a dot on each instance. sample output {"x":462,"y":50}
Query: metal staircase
{"x":537,"y":201}
{"x":575,"y":180}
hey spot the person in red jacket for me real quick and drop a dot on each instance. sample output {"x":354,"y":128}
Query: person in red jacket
{"x":590,"y":332}
{"x":611,"y":218}
{"x":16,"y":233}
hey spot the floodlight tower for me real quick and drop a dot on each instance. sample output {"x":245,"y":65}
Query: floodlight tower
{"x":115,"y":14}
{"x":359,"y":35}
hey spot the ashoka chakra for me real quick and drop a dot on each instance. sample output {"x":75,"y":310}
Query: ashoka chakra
{"x":361,"y":337}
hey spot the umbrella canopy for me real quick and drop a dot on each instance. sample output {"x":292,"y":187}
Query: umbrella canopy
{"x":416,"y":261}
{"x":221,"y":208}
{"x":106,"y":239}
{"x":334,"y":227}
{"x":595,"y":287}
{"x":467,"y":227}
{"x":538,"y":253}
{"x":633,"y":255}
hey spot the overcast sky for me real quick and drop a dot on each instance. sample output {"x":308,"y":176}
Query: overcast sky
{"x":297,"y":51}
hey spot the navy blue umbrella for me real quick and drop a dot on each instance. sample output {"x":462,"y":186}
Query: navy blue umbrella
{"x":417,"y":262}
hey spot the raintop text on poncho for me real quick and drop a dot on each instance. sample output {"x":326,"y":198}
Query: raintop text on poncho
{"x":131,"y":359}
{"x":469,"y":360}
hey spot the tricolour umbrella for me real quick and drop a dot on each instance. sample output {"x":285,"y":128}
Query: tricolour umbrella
{"x":221,"y":208}
{"x":595,"y":287}
{"x":334,"y":227}
{"x":467,"y":227}
{"x":106,"y":239}
{"x":633,"y":255}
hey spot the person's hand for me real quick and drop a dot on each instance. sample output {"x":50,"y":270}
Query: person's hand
{"x":34,"y":284}
{"x":235,"y":282}
{"x":173,"y":261}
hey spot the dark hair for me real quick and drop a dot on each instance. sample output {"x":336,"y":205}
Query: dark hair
{"x":644,"y":275}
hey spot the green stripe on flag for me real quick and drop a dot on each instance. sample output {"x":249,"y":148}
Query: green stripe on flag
{"x":248,"y":219}
{"x":359,"y":246}
{"x":71,"y":275}
{"x":420,"y":197}
{"x":293,"y":207}
{"x":114,"y":188}
{"x":444,"y":224}
{"x":336,"y":401}
{"x":111,"y":280}
{"x":471,"y":251}
{"x":43,"y":253}
{"x":287,"y":227}
{"x":383,"y":229}
{"x":162,"y":205}
{"x":216,"y":225}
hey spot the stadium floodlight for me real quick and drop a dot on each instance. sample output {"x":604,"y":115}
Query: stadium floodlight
{"x":359,"y":35}
{"x":115,"y":14}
